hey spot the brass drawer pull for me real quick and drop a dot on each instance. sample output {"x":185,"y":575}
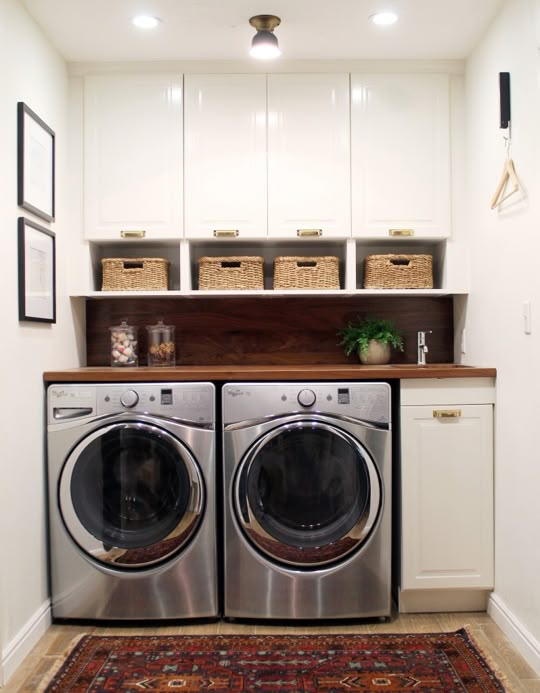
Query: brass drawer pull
{"x":132,"y":234}
{"x":226,"y":233}
{"x":401,"y":232}
{"x":309,"y":232}
{"x":446,"y":413}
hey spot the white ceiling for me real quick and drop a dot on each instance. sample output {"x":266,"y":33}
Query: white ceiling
{"x":100,"y":30}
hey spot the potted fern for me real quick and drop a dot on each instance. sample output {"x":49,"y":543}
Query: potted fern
{"x":372,"y":339}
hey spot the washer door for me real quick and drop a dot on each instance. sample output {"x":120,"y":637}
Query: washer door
{"x":307,"y":494}
{"x":131,"y":495}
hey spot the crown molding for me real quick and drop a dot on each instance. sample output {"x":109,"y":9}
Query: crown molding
{"x":280,"y":66}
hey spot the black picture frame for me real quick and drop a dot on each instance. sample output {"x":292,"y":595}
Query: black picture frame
{"x":35,"y":164}
{"x":37,"y":272}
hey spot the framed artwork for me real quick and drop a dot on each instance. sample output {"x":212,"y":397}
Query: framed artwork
{"x":35,"y":162}
{"x":37,"y":272}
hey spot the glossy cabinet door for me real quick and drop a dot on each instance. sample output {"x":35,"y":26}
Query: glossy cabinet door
{"x":133,"y":156}
{"x":308,"y":155}
{"x":400,"y":142}
{"x":447,"y":496}
{"x":225,"y":156}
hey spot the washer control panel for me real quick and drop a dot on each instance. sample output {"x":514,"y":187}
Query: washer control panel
{"x":369,"y":402}
{"x":306,"y":398}
{"x":186,"y":401}
{"x":129,"y":398}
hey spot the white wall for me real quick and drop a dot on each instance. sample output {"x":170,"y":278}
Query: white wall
{"x":505,"y":271}
{"x":31,"y":72}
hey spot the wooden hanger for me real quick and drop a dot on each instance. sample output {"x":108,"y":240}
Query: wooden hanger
{"x":508,"y":174}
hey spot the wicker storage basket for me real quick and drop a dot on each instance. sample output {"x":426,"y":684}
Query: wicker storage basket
{"x":398,"y":272}
{"x":306,"y":272}
{"x":135,"y":274}
{"x":234,"y":272}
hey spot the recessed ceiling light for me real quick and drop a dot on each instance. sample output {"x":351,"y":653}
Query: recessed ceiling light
{"x":384,"y":18}
{"x":145,"y":21}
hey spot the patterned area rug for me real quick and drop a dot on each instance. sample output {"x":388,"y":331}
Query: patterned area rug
{"x":434,"y":662}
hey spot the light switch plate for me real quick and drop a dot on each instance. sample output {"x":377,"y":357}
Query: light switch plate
{"x":527,"y":319}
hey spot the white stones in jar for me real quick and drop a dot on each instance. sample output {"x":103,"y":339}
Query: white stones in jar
{"x":124,"y":345}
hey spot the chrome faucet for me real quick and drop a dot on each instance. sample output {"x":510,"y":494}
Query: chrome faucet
{"x":422,"y":347}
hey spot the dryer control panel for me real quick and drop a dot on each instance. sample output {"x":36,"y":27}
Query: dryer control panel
{"x":369,"y":402}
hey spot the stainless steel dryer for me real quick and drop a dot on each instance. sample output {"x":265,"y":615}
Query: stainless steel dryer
{"x":131,"y":473}
{"x":307,"y":483}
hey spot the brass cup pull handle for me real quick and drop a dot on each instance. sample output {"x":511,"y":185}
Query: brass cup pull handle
{"x":400,"y":232}
{"x":309,"y":232}
{"x":132,"y":234}
{"x":225,"y":233}
{"x":446,"y":413}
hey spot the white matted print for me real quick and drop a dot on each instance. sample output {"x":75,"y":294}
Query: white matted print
{"x":35,"y":158}
{"x":37,"y":272}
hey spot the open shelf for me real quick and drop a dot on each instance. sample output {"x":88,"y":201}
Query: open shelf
{"x":270,"y":293}
{"x":449,"y":265}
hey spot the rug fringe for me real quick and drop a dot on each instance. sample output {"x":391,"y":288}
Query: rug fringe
{"x":59,"y":661}
{"x":489,"y":660}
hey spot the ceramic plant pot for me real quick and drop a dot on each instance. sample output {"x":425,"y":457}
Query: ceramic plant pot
{"x":377,"y":353}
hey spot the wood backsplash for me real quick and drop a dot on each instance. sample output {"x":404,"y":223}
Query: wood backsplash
{"x":268,"y":330}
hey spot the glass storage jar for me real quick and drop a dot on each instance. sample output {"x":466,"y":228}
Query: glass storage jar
{"x":161,"y":347}
{"x":124,"y":350}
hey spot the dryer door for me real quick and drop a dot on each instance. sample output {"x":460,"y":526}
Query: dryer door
{"x":131,"y":495}
{"x":307,"y":494}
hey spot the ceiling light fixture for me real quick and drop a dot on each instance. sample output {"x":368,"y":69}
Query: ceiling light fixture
{"x":145,"y":21}
{"x":385,"y":18}
{"x":264,"y":44}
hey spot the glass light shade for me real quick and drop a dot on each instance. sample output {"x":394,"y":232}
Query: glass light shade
{"x":264,"y":46}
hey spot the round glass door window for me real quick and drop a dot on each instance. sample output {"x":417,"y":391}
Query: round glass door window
{"x":307,"y":494}
{"x":131,"y":495}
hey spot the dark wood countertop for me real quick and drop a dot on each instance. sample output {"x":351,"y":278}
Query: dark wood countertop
{"x":270,"y":372}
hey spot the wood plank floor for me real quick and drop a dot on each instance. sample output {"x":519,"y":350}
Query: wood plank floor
{"x":520,"y":678}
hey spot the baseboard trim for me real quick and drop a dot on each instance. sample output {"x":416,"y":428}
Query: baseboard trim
{"x":522,"y":639}
{"x":22,"y":644}
{"x":434,"y":600}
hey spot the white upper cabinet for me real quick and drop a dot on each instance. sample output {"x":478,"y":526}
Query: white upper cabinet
{"x":133,"y":156}
{"x":308,"y":155}
{"x":225,"y":156}
{"x":400,"y":140}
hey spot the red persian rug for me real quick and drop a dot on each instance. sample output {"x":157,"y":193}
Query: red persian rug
{"x":434,"y":662}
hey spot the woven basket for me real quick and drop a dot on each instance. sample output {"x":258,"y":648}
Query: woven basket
{"x":306,"y":272}
{"x":234,"y":272}
{"x":398,"y":272}
{"x":135,"y":274}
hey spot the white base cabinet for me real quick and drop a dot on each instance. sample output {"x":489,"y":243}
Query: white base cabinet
{"x":447,"y":484}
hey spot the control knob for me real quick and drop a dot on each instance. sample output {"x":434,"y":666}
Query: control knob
{"x":129,"y":398}
{"x":306,"y":398}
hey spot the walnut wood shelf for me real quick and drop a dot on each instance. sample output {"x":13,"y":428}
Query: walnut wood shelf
{"x":267,"y":373}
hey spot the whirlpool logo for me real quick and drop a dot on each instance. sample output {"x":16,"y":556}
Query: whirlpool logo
{"x":238,"y":393}
{"x":58,"y":393}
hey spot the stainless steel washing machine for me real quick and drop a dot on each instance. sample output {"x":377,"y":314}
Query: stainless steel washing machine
{"x":307,"y":500}
{"x":131,"y":476}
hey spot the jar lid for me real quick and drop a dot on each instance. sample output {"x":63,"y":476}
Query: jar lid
{"x":160,"y":327}
{"x":123,"y":326}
